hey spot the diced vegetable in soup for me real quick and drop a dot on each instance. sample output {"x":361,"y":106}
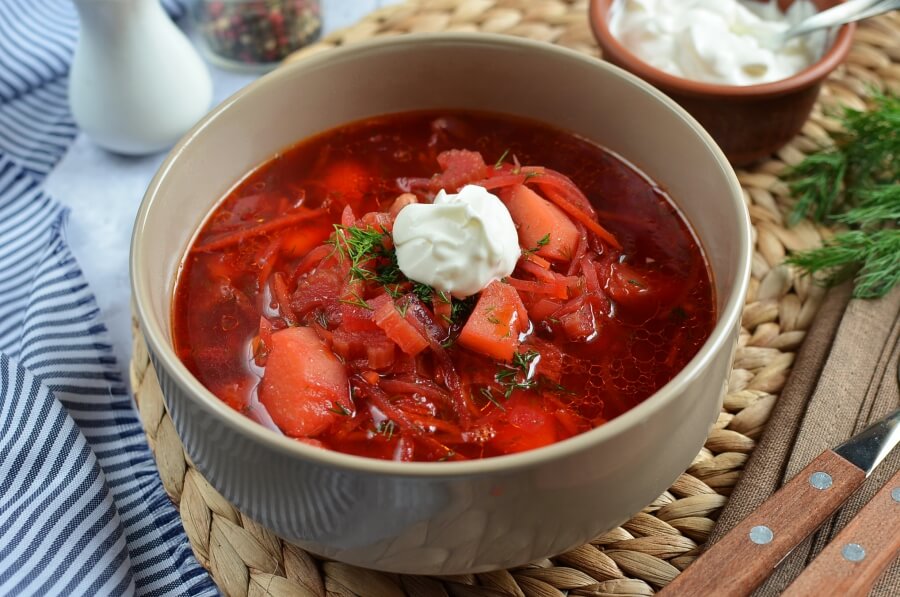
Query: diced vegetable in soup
{"x":292,"y":306}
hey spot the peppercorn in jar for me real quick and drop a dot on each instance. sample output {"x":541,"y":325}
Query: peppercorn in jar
{"x":255,"y":34}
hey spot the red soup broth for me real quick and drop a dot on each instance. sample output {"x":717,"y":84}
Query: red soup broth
{"x":269,"y":315}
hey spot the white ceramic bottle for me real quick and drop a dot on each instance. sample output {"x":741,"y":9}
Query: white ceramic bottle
{"x":136,"y":84}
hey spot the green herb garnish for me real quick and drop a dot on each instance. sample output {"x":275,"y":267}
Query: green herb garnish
{"x":502,"y":159}
{"x":543,"y":242}
{"x":487,"y":393}
{"x":339,"y":409}
{"x":855,"y":183}
{"x":386,"y":428}
{"x":450,"y":454}
{"x":423,"y":291}
{"x":362,"y":246}
{"x":356,"y":301}
{"x":519,"y":375}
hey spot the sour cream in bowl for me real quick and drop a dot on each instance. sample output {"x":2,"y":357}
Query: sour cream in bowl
{"x":719,"y":60}
{"x":728,"y":42}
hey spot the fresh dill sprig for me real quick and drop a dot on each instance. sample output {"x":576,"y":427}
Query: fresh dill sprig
{"x":855,"y":183}
{"x":873,"y":257}
{"x":361,"y":246}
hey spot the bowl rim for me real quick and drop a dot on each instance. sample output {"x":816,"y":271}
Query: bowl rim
{"x":165,"y":356}
{"x":815,"y":72}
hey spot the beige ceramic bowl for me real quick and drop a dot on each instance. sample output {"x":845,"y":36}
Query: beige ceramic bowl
{"x":457,"y":517}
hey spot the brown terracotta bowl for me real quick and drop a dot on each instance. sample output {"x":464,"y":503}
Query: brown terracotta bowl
{"x":748,"y":122}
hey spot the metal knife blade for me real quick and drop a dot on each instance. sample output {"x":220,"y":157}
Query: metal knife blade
{"x":869,"y":447}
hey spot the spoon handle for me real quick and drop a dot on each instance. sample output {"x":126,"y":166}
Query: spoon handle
{"x":846,"y":12}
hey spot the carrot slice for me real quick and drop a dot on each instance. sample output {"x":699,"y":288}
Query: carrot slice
{"x":585,"y":218}
{"x":537,"y":260}
{"x":557,"y":288}
{"x":233,"y":238}
{"x":493,"y":327}
{"x":542,"y":226}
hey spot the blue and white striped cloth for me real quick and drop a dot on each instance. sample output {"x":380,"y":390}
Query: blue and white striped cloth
{"x":82,"y":509}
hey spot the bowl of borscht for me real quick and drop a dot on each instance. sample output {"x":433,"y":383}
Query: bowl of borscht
{"x":442,"y":304}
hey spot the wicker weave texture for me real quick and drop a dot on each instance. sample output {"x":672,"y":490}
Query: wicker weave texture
{"x":649,"y":550}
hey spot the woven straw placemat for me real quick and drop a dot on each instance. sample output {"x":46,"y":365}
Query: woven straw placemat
{"x":649,"y":550}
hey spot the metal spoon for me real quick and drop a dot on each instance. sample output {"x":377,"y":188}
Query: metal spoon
{"x":846,"y":12}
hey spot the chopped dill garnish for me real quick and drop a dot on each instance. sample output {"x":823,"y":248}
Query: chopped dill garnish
{"x":339,"y":409}
{"x":386,"y":428}
{"x":356,"y":301}
{"x":543,"y":242}
{"x":494,"y":320}
{"x":361,"y":246}
{"x":502,"y":158}
{"x":530,"y":175}
{"x":854,"y":183}
{"x":450,"y":454}
{"x":487,"y":393}
{"x":402,"y":308}
{"x":519,"y":375}
{"x":423,"y":291}
{"x":321,"y":318}
{"x":556,"y":388}
{"x":460,"y":309}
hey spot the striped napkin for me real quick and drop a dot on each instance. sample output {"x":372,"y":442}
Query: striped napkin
{"x":82,"y":509}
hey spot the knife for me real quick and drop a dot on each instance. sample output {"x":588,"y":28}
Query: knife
{"x":854,"y":560}
{"x":738,"y":563}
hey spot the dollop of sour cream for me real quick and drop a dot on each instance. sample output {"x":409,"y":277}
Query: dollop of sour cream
{"x":459,"y":243}
{"x":729,"y":42}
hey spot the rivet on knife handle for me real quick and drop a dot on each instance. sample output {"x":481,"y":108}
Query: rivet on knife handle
{"x":746,"y":556}
{"x":854,"y":560}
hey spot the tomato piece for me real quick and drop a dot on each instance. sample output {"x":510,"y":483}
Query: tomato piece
{"x":355,"y":318}
{"x":460,"y":167}
{"x":347,"y":179}
{"x":527,"y":427}
{"x":580,"y":325}
{"x":303,"y":383}
{"x":542,"y":225}
{"x":386,"y":316}
{"x":542,"y":309}
{"x":494,"y":326}
{"x":550,"y":362}
{"x":320,"y":288}
{"x":558,"y":288}
{"x":380,"y":355}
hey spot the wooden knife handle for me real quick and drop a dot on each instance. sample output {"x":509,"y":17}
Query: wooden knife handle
{"x":748,"y":554}
{"x":854,"y":560}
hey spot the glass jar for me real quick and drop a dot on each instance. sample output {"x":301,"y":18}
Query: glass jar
{"x":255,"y":34}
